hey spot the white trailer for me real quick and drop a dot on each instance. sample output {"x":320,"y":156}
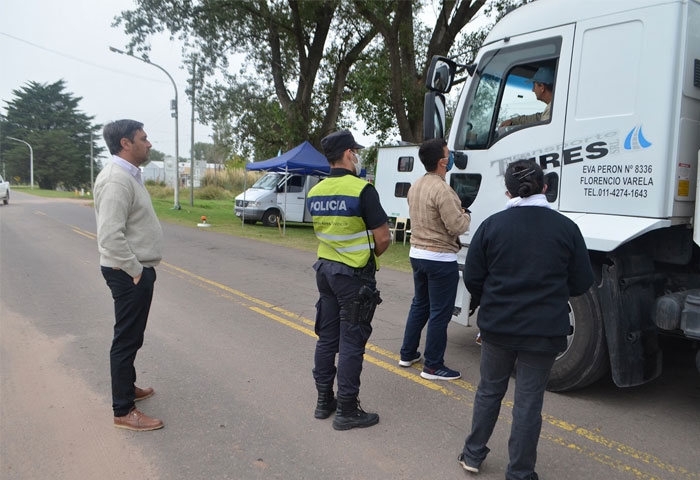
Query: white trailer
{"x":398,"y":167}
{"x":620,"y":151}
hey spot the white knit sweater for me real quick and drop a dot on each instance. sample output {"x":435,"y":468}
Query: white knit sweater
{"x":129,"y":235}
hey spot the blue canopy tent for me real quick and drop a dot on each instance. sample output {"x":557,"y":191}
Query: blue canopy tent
{"x":303,"y":159}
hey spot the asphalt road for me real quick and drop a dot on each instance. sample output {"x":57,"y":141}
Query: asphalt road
{"x":229,"y":350}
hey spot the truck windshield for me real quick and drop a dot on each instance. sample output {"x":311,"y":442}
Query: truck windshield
{"x":499,"y":88}
{"x":267,"y":182}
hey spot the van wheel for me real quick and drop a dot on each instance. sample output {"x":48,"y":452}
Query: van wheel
{"x":271,"y":218}
{"x":586,"y":357}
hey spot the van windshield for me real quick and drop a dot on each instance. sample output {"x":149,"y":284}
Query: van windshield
{"x":267,"y":182}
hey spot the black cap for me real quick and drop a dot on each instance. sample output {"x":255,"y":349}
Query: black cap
{"x":336,"y":143}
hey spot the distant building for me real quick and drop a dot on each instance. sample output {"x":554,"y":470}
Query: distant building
{"x":153,"y":171}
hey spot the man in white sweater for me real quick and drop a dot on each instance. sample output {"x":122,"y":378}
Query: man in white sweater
{"x":129,"y":239}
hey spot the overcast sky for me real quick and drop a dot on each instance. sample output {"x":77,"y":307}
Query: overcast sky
{"x":45,"y":41}
{"x":48,"y":40}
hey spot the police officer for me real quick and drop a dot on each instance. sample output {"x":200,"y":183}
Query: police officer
{"x":352,"y":230}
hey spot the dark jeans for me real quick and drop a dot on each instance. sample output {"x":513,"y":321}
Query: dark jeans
{"x":131,"y":306}
{"x":531,"y":377}
{"x":434,"y":293}
{"x":337,"y":291}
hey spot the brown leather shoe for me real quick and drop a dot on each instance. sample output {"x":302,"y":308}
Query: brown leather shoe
{"x":137,"y":421}
{"x":143,"y":393}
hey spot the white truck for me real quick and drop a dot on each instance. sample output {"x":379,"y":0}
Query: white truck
{"x":4,"y":191}
{"x":274,"y":197}
{"x":620,"y":151}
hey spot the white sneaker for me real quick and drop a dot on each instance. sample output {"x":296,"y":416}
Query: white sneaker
{"x":408,"y":363}
{"x":468,"y":468}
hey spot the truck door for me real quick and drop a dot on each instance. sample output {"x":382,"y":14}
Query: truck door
{"x":500,"y":120}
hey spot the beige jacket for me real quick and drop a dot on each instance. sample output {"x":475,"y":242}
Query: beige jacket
{"x":437,"y":219}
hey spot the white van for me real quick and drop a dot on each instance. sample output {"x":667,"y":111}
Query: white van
{"x":275,"y":197}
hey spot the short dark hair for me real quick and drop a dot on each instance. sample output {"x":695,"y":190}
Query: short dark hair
{"x":524,"y":178}
{"x":431,"y":152}
{"x":115,"y":131}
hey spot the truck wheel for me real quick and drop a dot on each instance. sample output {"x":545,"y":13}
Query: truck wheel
{"x":6,"y":200}
{"x":271,"y":218}
{"x":586,"y":357}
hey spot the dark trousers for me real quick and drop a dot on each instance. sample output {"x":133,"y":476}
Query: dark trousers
{"x":434,"y":293}
{"x":346,"y":339}
{"x":131,"y":306}
{"x":531,"y":378}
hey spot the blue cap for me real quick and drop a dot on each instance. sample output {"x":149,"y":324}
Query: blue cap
{"x":336,"y":143}
{"x":543,"y":75}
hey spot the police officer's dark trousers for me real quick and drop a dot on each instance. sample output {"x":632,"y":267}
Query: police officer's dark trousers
{"x":131,"y":306}
{"x":338,"y":287}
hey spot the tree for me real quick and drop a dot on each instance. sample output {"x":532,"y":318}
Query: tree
{"x":279,"y":100}
{"x":156,"y":155}
{"x":48,"y":118}
{"x":311,"y":65}
{"x":408,"y":47}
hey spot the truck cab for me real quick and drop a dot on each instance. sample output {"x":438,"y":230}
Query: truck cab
{"x":618,"y":140}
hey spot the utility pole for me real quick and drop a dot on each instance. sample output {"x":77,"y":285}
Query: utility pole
{"x":174,"y":108}
{"x":92,"y":171}
{"x":31,"y":161}
{"x":194,"y":89}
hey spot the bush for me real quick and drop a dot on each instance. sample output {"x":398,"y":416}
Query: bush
{"x":212,"y":192}
{"x":231,"y":179}
{"x":153,"y":183}
{"x":160,"y":190}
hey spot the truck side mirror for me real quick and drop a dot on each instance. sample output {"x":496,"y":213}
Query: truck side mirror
{"x":434,"y":116}
{"x":440,"y":75}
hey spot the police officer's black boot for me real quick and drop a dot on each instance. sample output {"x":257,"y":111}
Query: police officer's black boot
{"x":326,"y":404}
{"x":350,"y":415}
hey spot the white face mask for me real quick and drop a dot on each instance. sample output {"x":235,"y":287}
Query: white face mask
{"x":358,"y":164}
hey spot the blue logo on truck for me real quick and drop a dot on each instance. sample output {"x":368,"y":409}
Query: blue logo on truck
{"x":635,"y":140}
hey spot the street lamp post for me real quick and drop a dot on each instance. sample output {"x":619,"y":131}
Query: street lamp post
{"x":31,"y":160}
{"x":177,"y":153}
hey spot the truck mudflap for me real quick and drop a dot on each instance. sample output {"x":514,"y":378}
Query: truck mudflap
{"x":627,"y":300}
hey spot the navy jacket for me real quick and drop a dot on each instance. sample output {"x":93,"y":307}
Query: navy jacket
{"x":522,"y":266}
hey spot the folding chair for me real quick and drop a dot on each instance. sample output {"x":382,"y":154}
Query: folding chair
{"x":399,"y":226}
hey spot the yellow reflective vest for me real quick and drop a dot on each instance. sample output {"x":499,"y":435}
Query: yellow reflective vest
{"x":338,"y":224}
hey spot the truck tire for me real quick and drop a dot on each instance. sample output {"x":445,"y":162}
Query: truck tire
{"x":6,"y":200}
{"x":271,"y":217}
{"x":586,"y":358}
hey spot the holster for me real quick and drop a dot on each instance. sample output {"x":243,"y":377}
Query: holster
{"x":364,"y":305}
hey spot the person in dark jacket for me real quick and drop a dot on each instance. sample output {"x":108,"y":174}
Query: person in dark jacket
{"x":522,"y":266}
